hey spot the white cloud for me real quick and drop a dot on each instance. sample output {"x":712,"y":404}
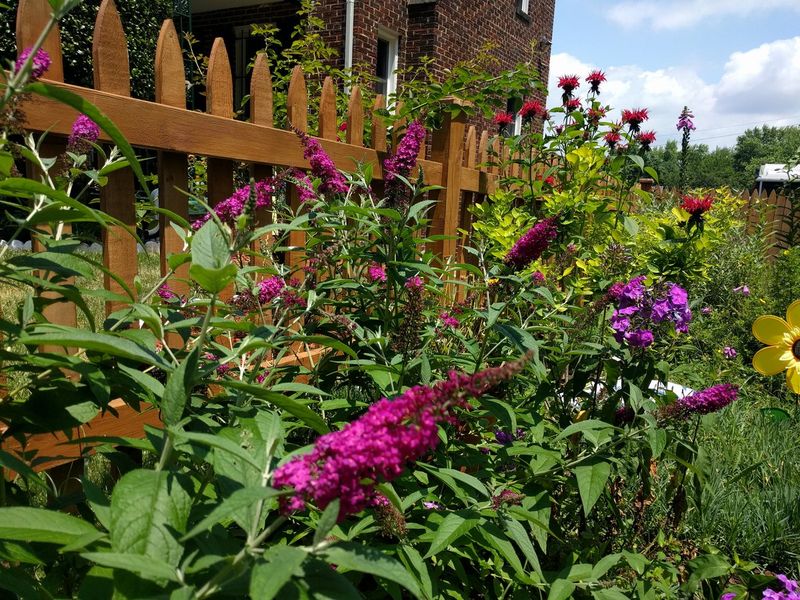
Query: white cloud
{"x":759,"y":86}
{"x":676,"y":14}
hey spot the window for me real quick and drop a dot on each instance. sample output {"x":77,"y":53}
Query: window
{"x":245,"y":50}
{"x":523,"y":10}
{"x":512,"y":107}
{"x":386,"y":64}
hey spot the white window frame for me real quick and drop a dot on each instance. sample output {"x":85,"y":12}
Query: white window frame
{"x":394,"y":45}
{"x":524,"y":7}
{"x":518,"y":124}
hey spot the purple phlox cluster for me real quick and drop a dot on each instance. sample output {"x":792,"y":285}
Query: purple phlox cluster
{"x":742,"y":289}
{"x":270,"y":288}
{"x":639,"y":309}
{"x":41,"y":62}
{"x":377,"y":446}
{"x":728,"y":596}
{"x":530,"y":246}
{"x":790,"y":590}
{"x":231,"y":208}
{"x":83,"y":130}
{"x":322,"y":167}
{"x":705,"y":401}
{"x":448,"y":320}
{"x":404,"y":159}
{"x":729,"y":352}
{"x":376,"y":272}
{"x":685,"y":120}
{"x":615,"y":290}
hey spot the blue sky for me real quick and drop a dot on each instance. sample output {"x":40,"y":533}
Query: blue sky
{"x":736,"y":63}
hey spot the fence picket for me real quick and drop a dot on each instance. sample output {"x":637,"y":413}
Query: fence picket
{"x":118,"y":196}
{"x":297,"y":112}
{"x":32,"y":17}
{"x":469,"y":148}
{"x":378,"y":127}
{"x":261,"y":99}
{"x":173,"y":168}
{"x":327,"y":111}
{"x":355,"y":118}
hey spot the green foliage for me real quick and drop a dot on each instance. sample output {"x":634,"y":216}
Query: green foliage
{"x":141,"y":20}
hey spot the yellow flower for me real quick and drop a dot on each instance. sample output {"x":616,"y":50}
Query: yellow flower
{"x":783,"y":345}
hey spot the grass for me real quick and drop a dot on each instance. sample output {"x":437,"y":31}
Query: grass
{"x":751,"y":498}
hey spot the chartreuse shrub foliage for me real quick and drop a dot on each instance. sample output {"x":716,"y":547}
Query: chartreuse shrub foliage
{"x":499,"y":434}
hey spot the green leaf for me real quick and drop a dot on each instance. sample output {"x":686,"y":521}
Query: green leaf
{"x":355,"y":557}
{"x":523,"y":540}
{"x":609,"y":594}
{"x":11,"y":462}
{"x":213,"y":280}
{"x":239,"y":499}
{"x":327,"y":341}
{"x":136,"y":563}
{"x":604,"y":565}
{"x":465,"y":478}
{"x":301,"y":411}
{"x":17,"y":186}
{"x":219,"y":442}
{"x":270,"y":575}
{"x":90,"y":110}
{"x":497,"y":540}
{"x":210,"y":247}
{"x":561,"y":590}
{"x":592,"y":477}
{"x":26,"y":524}
{"x":588,"y":425}
{"x":148,"y":510}
{"x":178,"y":389}
{"x":326,"y":522}
{"x":453,"y":527}
{"x":58,"y":335}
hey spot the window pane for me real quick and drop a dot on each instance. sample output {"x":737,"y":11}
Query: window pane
{"x":382,"y":64}
{"x":523,"y":6}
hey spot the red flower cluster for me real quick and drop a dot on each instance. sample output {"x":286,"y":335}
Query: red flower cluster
{"x":573,"y":104}
{"x":533,"y":109}
{"x":697,"y":206}
{"x":503,"y":118}
{"x":595,"y":114}
{"x":612,"y":138}
{"x":646,"y":139}
{"x":634,"y":118}
{"x":594,"y":79}
{"x":569,"y":83}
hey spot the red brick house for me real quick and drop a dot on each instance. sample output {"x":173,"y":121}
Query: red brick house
{"x":387,"y":34}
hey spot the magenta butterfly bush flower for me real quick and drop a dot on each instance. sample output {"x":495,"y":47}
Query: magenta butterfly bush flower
{"x":532,"y":244}
{"x":322,"y":167}
{"x":41,"y":62}
{"x":448,"y":320}
{"x":377,"y":446}
{"x":704,"y":402}
{"x":231,"y":208}
{"x":83,"y":130}
{"x":166,"y":293}
{"x":402,"y":163}
{"x":376,"y":273}
{"x":269,"y":289}
{"x":305,"y":187}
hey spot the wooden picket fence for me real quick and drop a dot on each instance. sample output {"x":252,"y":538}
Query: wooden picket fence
{"x":175,"y":132}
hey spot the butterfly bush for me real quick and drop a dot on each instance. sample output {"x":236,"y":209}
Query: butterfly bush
{"x":322,"y":167}
{"x":84,"y":132}
{"x":41,"y":62}
{"x":376,"y":447}
{"x":706,"y":401}
{"x":230,"y":209}
{"x":532,"y":244}
{"x":640,"y":310}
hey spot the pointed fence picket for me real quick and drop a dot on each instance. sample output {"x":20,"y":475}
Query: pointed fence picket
{"x":458,"y":161}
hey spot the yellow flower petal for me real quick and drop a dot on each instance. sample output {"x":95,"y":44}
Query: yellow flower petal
{"x":793,"y":314}
{"x":793,"y":379}
{"x":770,"y":330}
{"x":768,"y":361}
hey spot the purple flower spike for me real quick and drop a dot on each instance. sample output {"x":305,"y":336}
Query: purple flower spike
{"x":41,"y":62}
{"x":531,"y":245}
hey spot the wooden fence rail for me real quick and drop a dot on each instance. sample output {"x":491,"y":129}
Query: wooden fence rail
{"x":167,"y":127}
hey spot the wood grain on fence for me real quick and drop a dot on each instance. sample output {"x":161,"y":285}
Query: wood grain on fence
{"x":174,"y":132}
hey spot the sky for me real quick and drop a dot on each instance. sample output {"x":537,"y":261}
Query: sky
{"x":735,"y":63}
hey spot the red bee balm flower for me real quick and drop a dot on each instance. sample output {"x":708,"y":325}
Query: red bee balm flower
{"x":569,"y":83}
{"x":594,"y":79}
{"x":532,"y":109}
{"x":634,"y":118}
{"x":573,"y":104}
{"x":503,"y":118}
{"x":646,"y":139}
{"x":697,"y":206}
{"x":612,"y":138}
